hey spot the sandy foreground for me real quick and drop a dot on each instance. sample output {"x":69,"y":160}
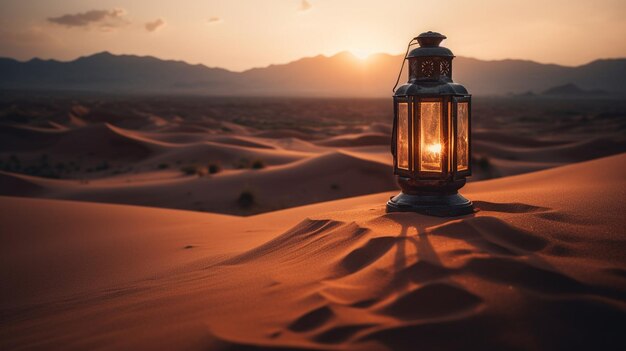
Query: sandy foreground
{"x":542,"y":265}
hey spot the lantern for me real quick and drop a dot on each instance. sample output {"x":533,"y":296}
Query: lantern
{"x":431,"y":144}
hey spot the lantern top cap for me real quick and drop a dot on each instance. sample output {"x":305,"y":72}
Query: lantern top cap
{"x":430,"y":39}
{"x":429,"y":46}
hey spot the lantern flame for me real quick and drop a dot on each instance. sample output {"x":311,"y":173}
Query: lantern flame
{"x":434,"y":148}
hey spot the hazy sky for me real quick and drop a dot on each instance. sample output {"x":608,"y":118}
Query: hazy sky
{"x":240,"y":34}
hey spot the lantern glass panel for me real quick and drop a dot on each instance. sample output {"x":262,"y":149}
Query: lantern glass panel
{"x":430,"y":137}
{"x":403,"y":135}
{"x":450,"y":147}
{"x":462,"y":136}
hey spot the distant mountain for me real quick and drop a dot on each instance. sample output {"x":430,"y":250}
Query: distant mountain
{"x":570,"y":89}
{"x":111,"y":73}
{"x":341,"y":75}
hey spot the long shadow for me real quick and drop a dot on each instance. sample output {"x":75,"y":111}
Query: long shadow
{"x":510,"y":207}
{"x":420,"y":241}
{"x":533,"y":272}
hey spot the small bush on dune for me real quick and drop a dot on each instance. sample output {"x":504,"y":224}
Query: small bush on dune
{"x":188,"y":170}
{"x":163,"y":166}
{"x":102,"y":166}
{"x":214,"y":168}
{"x":245,"y":163}
{"x":194,"y":169}
{"x":258,"y":164}
{"x":14,"y":163}
{"x":242,"y":163}
{"x":246,"y":199}
{"x":44,"y":159}
{"x":484,"y":163}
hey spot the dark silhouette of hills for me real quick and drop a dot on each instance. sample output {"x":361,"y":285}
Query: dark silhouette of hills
{"x":570,"y":89}
{"x":341,"y":75}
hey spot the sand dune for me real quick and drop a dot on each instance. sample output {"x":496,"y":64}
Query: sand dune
{"x":541,"y":265}
{"x":96,"y":140}
{"x":565,"y":153}
{"x":152,"y":168}
{"x":160,"y":151}
{"x":320,"y":178}
{"x":283,"y":133}
{"x":361,"y":139}
{"x":500,"y":137}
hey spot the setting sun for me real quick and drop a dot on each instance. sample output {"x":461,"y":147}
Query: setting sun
{"x":361,"y":54}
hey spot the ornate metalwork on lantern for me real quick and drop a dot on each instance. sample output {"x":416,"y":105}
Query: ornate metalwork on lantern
{"x":431,"y":143}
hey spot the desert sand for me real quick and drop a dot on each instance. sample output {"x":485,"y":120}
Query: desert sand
{"x":541,"y":265}
{"x":267,"y":154}
{"x":192,"y":223}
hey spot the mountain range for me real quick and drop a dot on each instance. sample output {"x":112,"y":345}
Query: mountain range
{"x":341,"y":75}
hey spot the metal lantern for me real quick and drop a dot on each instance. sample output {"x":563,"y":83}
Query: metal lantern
{"x":431,"y":143}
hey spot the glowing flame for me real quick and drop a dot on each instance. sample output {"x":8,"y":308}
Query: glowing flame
{"x":434,"y":148}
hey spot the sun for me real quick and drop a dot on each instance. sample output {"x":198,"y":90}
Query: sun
{"x":361,"y":54}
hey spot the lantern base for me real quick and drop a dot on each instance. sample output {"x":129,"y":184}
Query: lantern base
{"x":444,"y":205}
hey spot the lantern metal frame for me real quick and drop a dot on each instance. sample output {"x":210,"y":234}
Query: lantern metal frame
{"x":430,"y":80}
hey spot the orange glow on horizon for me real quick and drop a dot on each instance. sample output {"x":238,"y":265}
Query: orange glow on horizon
{"x":239,"y":35}
{"x":361,"y":54}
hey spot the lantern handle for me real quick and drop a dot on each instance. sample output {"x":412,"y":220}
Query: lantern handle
{"x":402,"y":67}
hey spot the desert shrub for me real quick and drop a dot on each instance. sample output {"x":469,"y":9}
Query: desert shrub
{"x":242,"y":163}
{"x":188,"y":170}
{"x":258,"y":164}
{"x":163,"y":166}
{"x":334,"y":186}
{"x":246,"y":199}
{"x":44,"y":159}
{"x":41,"y":171}
{"x":48,"y":173}
{"x":194,"y":169}
{"x":484,"y":163}
{"x":104,"y":165}
{"x":14,"y":163}
{"x":214,"y":168}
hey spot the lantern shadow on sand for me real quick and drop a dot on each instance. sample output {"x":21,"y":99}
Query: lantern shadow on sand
{"x":431,"y":143}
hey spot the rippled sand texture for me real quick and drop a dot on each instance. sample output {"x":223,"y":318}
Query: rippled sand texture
{"x":541,"y":265}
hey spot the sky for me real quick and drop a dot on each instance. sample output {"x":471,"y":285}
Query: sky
{"x":242,"y":34}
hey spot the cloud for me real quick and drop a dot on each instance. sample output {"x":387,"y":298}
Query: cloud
{"x":304,"y":6}
{"x":103,"y":19}
{"x":215,"y":20}
{"x":154,"y":25}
